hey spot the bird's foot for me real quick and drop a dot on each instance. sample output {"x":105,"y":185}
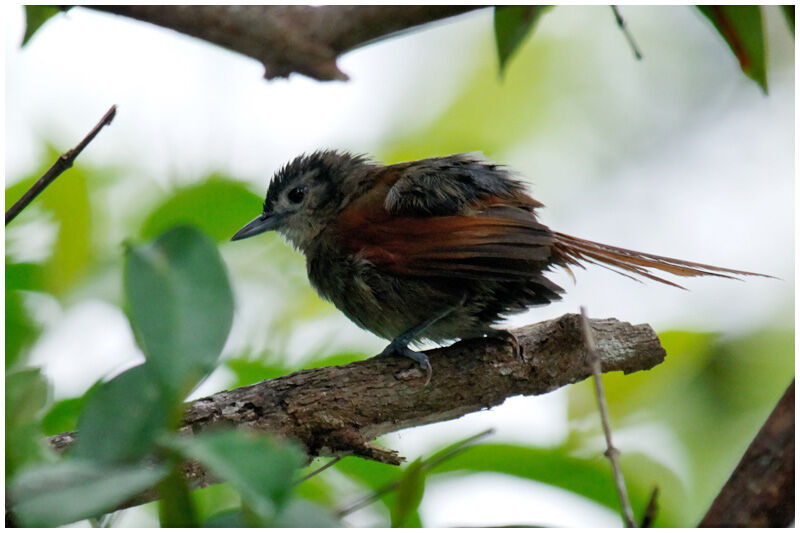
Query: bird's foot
{"x":401,"y":348}
{"x":507,"y":336}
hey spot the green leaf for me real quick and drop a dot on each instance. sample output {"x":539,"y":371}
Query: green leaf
{"x":63,"y":416}
{"x":232,"y":518}
{"x":301,"y":513}
{"x":213,"y":500}
{"x":408,"y":496}
{"x":369,"y":473}
{"x":590,"y":477}
{"x":317,"y":489}
{"x":67,"y":200}
{"x":176,"y":507}
{"x":21,"y":329}
{"x":337,"y":359}
{"x":219,"y":206}
{"x":249,"y":371}
{"x":260,"y":468}
{"x":53,"y":495}
{"x":687,"y":353}
{"x":742,"y":29}
{"x":181,"y":305}
{"x":23,"y":276}
{"x":511,"y":25}
{"x":35,"y":17}
{"x":788,"y":14}
{"x":26,"y":395}
{"x":123,"y":418}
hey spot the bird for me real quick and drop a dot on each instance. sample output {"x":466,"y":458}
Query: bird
{"x":435,"y":249}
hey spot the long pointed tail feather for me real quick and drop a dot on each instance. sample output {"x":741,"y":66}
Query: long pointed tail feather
{"x":575,"y":251}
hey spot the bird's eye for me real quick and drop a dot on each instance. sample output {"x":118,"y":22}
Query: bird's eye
{"x":296,"y":195}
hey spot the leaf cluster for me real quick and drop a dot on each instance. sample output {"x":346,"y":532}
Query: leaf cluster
{"x":127,"y":426}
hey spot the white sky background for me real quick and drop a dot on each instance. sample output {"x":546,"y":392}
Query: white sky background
{"x":629,"y":166}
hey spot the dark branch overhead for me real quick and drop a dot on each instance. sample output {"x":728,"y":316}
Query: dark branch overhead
{"x":287,"y":39}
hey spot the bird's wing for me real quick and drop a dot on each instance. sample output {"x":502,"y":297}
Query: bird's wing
{"x":449,"y":186}
{"x":451,"y":217}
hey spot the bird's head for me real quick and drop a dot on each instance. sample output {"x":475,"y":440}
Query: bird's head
{"x":306,"y":195}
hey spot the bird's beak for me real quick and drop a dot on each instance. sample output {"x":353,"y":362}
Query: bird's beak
{"x":260,"y":224}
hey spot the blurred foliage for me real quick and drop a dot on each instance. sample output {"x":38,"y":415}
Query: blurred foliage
{"x":261,"y":469}
{"x":63,"y":415}
{"x":65,"y":492}
{"x":66,"y":203}
{"x":26,"y":397}
{"x":742,"y":29}
{"x":511,"y":25}
{"x":35,"y":17}
{"x":219,"y":206}
{"x":21,"y":329}
{"x":740,"y":26}
{"x":710,"y":395}
{"x":494,"y":125}
{"x":562,"y":467}
{"x":181,"y":306}
{"x":788,"y":13}
{"x":131,"y":417}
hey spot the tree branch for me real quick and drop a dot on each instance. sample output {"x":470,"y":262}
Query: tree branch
{"x":288,"y":39}
{"x":63,"y":163}
{"x":338,"y":410}
{"x":760,"y":492}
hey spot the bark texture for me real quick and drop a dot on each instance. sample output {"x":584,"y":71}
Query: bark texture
{"x":338,"y":410}
{"x":288,"y":39}
{"x":760,"y":492}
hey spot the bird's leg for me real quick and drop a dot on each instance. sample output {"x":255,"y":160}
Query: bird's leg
{"x":399,"y":344}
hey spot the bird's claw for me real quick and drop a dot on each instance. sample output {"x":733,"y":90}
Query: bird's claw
{"x":508,"y":337}
{"x":419,"y":357}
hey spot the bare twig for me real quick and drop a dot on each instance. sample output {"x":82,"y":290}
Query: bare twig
{"x":622,"y":26}
{"x":760,"y":491}
{"x":611,"y":452}
{"x":318,"y":470}
{"x":430,"y":464}
{"x":63,"y":162}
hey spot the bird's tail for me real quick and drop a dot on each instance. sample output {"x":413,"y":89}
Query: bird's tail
{"x":575,"y":251}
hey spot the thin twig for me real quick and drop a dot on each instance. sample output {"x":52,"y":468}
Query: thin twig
{"x":621,"y":23}
{"x":611,"y":452}
{"x":63,"y":162}
{"x":318,"y":470}
{"x":426,"y":466}
{"x":651,"y":510}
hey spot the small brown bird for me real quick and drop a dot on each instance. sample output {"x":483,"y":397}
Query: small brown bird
{"x":438,"y":249}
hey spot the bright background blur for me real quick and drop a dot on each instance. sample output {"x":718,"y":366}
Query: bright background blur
{"x":679,"y":154}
